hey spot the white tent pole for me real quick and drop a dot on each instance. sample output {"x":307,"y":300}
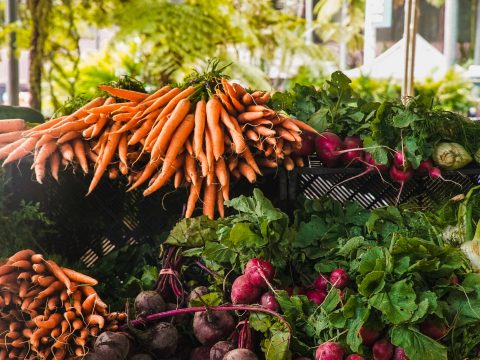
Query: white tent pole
{"x":450,"y":32}
{"x":409,"y":37}
{"x":370,"y":36}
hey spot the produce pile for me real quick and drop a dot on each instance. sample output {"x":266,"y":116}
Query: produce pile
{"x":47,"y":311}
{"x":200,"y":133}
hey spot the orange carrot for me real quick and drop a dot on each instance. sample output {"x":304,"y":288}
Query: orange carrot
{"x":96,"y":320}
{"x":209,"y":156}
{"x":141,"y":132}
{"x":239,"y":90}
{"x":249,"y":116}
{"x":178,"y":179}
{"x":232,"y":164}
{"x":22,"y":264}
{"x":213,"y":110}
{"x":123,"y":117}
{"x":22,"y":150}
{"x":79,"y":277}
{"x":188,"y":146}
{"x":52,"y":322}
{"x":220,"y":206}
{"x":122,"y":149}
{"x":69,"y":136}
{"x":200,"y":118}
{"x":46,"y":281}
{"x":226,"y":102}
{"x":191,"y":168}
{"x":51,"y":289}
{"x":60,"y":275}
{"x":7,"y":149}
{"x":232,"y":126}
{"x":10,"y":136}
{"x":162,"y":100}
{"x":252,"y":135}
{"x":108,"y":108}
{"x":67,"y":152}
{"x":79,"y":151}
{"x":262,"y":99}
{"x":303,"y":126}
{"x":8,"y":125}
{"x":162,"y":179}
{"x":202,"y":158}
{"x":146,"y":173}
{"x":193,"y":197}
{"x":264,"y":131}
{"x":20,"y":255}
{"x":124,"y":94}
{"x":247,"y":171}
{"x":209,"y":197}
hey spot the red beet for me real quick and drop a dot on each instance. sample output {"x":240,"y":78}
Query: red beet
{"x":435,"y":330}
{"x":200,"y":353}
{"x":268,"y":301}
{"x":329,"y":351}
{"x":259,"y":271}
{"x":244,"y":292}
{"x":425,"y":166}
{"x":320,"y":283}
{"x":316,"y":296}
{"x":308,"y":144}
{"x":210,"y":326}
{"x":399,"y":354}
{"x":382,"y":350}
{"x":339,"y":278}
{"x":354,"y":357}
{"x":369,"y":336}
{"x":352,"y":157}
{"x":327,"y":146}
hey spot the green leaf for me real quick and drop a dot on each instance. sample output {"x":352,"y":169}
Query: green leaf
{"x":210,"y":299}
{"x":416,"y":345}
{"x":310,"y":232}
{"x":402,"y":265}
{"x":331,"y":301}
{"x":241,"y":234}
{"x":372,"y":283}
{"x":354,"y":339}
{"x":276,"y":347}
{"x":404,"y":119}
{"x":192,"y":232}
{"x":351,"y":245}
{"x":219,"y":253}
{"x":257,"y":205}
{"x":149,"y":276}
{"x":397,"y":304}
{"x":318,"y":120}
{"x":373,"y":260}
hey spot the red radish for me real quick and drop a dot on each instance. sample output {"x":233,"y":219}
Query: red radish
{"x":433,"y":329}
{"x":259,"y":272}
{"x":399,"y":354}
{"x":400,"y":177}
{"x":339,"y":278}
{"x":352,"y":157}
{"x":308,"y":144}
{"x":354,"y":357}
{"x":435,"y":173}
{"x":320,"y":283}
{"x":329,"y":351}
{"x":425,"y":166}
{"x":453,"y":280}
{"x":382,"y":350}
{"x":369,"y":336}
{"x":371,"y":161}
{"x":399,"y":160}
{"x":316,"y":296}
{"x":244,"y":292}
{"x":268,"y":301}
{"x":327,"y":146}
{"x":295,"y":291}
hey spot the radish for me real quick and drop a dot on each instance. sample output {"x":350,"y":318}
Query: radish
{"x":382,"y":350}
{"x":244,"y":292}
{"x":268,"y":301}
{"x":399,"y":354}
{"x":339,"y":278}
{"x":400,"y":177}
{"x":308,"y":144}
{"x":210,"y":326}
{"x":369,"y":336}
{"x":399,"y":160}
{"x":354,"y":357}
{"x":433,"y":329}
{"x":327,"y":146}
{"x":329,"y":351}
{"x":320,"y":283}
{"x":352,"y":157}
{"x":453,"y":280}
{"x":425,"y":166}
{"x":259,"y":272}
{"x":316,"y":296}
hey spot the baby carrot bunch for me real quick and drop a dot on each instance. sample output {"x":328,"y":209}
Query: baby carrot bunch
{"x":47,"y":311}
{"x":200,"y":135}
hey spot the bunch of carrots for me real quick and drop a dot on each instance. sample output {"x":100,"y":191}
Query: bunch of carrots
{"x":47,"y":311}
{"x":199,"y":135}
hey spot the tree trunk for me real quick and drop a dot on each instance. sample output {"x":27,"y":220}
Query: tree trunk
{"x":39,"y":12}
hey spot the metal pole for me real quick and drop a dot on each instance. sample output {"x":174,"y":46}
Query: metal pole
{"x":343,"y":51}
{"x":309,"y":21}
{"x":476,"y":56}
{"x":406,"y":44}
{"x":413,"y":38}
{"x":12,"y":61}
{"x":370,"y":35}
{"x":450,"y":32}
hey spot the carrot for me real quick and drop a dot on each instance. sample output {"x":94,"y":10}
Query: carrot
{"x":123,"y":148}
{"x":303,"y":126}
{"x":163,"y":100}
{"x":37,"y":335}
{"x":22,"y":264}
{"x":26,"y":275}
{"x":299,"y":161}
{"x":22,"y":150}
{"x":10,"y":136}
{"x":79,"y":277}
{"x":221,"y":173}
{"x":247,"y":99}
{"x":6,"y":269}
{"x":123,"y":93}
{"x":264,"y":131}
{"x":106,"y":157}
{"x":23,"y":288}
{"x":288,"y":163}
{"x":262,"y":99}
{"x":55,"y":164}
{"x":239,"y":90}
{"x":232,"y":96}
{"x":202,"y":158}
{"x":39,"y":268}
{"x":188,"y":147}
{"x":220,"y":205}
{"x":51,"y":289}
{"x":209,"y":195}
{"x":176,"y":118}
{"x":153,"y":134}
{"x":123,"y":117}
{"x":164,"y":177}
{"x":8,"y":278}
{"x":7,"y":149}
{"x":87,"y":133}
{"x":213,"y":110}
{"x":200,"y":118}
{"x":191,"y":168}
{"x":146,"y":174}
{"x":233,"y":128}
{"x":88,"y":304}
{"x":113,"y":173}
{"x":21,"y":255}
{"x":180,"y":136}
{"x":141,"y":132}
{"x":8,"y":125}
{"x":45,"y":151}
{"x":193,"y":197}
{"x":60,"y":275}
{"x":271,"y":141}
{"x":67,"y":152}
{"x":226,"y":102}
{"x":270,"y":150}
{"x":287,"y":149}
{"x":178,"y":179}
{"x":209,"y":156}
{"x":249,"y":116}
{"x":256,"y":108}
{"x":247,"y":171}
{"x":232,"y":164}
{"x":108,"y":108}
{"x":96,"y":320}
{"x":100,"y":124}
{"x":69,"y":136}
{"x":252,"y":135}
{"x":52,"y":322}
{"x":36,"y":258}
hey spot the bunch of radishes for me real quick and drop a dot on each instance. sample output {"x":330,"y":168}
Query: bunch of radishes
{"x":338,"y":278}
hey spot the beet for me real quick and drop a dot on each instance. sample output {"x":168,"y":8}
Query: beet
{"x":218,"y":351}
{"x":339,"y":278}
{"x":259,"y":271}
{"x":200,"y":353}
{"x":303,"y":358}
{"x":177,"y":320}
{"x":399,"y":354}
{"x":148,"y":302}
{"x":369,"y":336}
{"x":316,"y":296}
{"x":329,"y":351}
{"x":141,"y":357}
{"x":435,"y":330}
{"x":196,"y":293}
{"x":112,"y":345}
{"x":244,"y":292}
{"x":308,"y":144}
{"x":327,"y":146}
{"x":164,"y":339}
{"x":321,"y":283}
{"x":268,"y":301}
{"x":382,"y":350}
{"x":210,"y":327}
{"x":240,"y":354}
{"x":352,"y":157}
{"x":355,"y":357}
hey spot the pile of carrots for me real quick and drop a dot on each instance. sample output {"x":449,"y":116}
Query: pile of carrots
{"x":197,"y":135}
{"x":48,"y":312}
